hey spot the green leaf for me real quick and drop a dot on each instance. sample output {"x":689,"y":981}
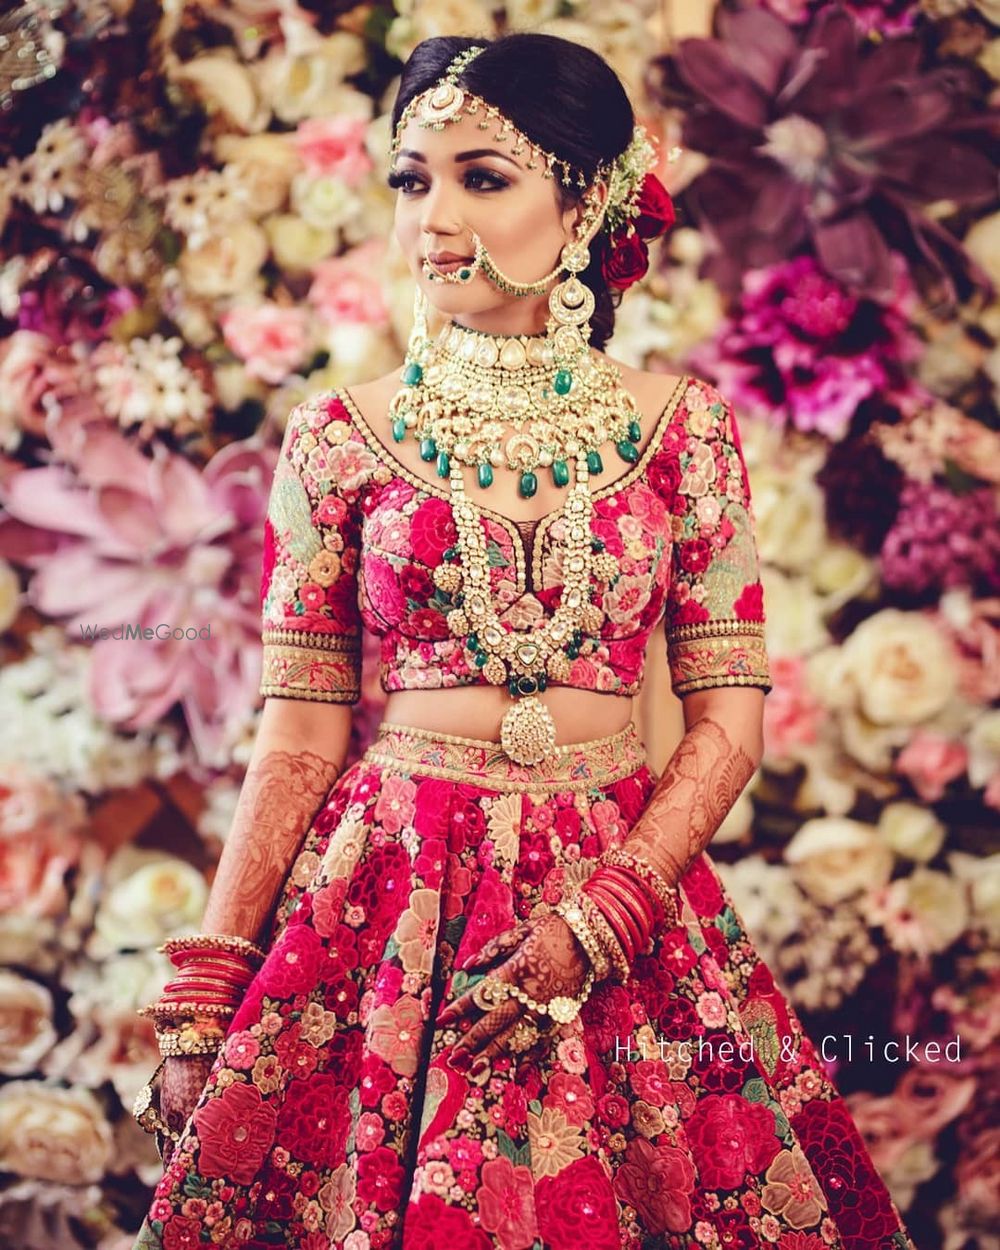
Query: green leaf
{"x":756,"y":1090}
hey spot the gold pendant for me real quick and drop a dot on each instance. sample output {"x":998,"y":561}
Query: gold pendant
{"x":527,"y":731}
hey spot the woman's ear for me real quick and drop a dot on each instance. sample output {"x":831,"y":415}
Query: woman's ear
{"x":594,"y":198}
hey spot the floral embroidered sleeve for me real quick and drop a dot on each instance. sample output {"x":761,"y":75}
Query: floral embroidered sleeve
{"x":715,"y":606}
{"x":311,"y":622}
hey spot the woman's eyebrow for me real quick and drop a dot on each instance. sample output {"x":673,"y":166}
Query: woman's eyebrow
{"x":473,"y":155}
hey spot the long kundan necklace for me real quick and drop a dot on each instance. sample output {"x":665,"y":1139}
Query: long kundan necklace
{"x":494,"y":402}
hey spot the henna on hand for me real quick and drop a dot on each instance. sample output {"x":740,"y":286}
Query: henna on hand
{"x":701,"y":782}
{"x":279,"y":798}
{"x":181,"y":1085}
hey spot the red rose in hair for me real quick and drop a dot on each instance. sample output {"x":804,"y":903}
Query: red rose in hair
{"x":656,"y":209}
{"x":626,"y":260}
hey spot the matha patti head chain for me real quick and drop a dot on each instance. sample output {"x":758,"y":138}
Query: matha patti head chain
{"x":527,"y":403}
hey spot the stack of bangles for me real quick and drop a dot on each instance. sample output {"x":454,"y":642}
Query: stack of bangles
{"x":618,"y":909}
{"x":614,"y":915}
{"x":191,"y":1015}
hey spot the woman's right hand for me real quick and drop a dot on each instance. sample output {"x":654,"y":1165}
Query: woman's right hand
{"x":181,"y":1083}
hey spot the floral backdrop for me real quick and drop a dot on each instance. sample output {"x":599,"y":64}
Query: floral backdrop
{"x":195,"y":236}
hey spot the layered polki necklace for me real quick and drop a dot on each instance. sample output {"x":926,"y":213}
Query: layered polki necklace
{"x":491,"y":403}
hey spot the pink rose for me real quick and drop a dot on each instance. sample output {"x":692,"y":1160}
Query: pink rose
{"x":334,"y":146}
{"x":931,"y":761}
{"x":432,"y":531}
{"x":269,"y":339}
{"x":346,"y":288}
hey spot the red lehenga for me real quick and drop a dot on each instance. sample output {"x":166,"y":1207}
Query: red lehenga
{"x":682,"y":1108}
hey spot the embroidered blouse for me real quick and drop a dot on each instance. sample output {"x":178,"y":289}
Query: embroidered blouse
{"x":352,"y":538}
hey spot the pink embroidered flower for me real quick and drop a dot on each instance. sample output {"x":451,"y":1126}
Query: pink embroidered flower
{"x":730,"y":1137}
{"x":351,"y":464}
{"x":570,"y":1095}
{"x":505,"y":1201}
{"x":395,"y":806}
{"x":576,"y":1208}
{"x":395,"y":1034}
{"x":380,"y":1178}
{"x":294,"y":962}
{"x":242,"y":1050}
{"x":271,"y":340}
{"x":382,"y":588}
{"x":235,"y":1132}
{"x":334,"y":145}
{"x":658,"y":1181}
{"x":432,"y":531}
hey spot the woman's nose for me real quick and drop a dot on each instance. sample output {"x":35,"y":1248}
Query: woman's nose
{"x":439,"y":214}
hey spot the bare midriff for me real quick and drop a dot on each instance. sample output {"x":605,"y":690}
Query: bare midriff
{"x":476,"y":712}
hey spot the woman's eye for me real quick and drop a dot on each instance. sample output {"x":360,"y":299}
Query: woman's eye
{"x":408,"y":181}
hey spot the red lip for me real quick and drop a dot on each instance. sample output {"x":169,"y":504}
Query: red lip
{"x":443,"y":258}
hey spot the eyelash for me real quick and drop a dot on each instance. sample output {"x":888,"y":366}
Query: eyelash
{"x":403,"y":180}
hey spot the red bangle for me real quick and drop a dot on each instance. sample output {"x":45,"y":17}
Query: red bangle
{"x":619,"y":919}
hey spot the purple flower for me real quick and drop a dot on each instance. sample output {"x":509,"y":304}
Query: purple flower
{"x":941,"y":540}
{"x":826,"y":140}
{"x":802,"y":350}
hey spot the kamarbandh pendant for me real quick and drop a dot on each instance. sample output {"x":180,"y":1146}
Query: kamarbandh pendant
{"x":527,"y":731}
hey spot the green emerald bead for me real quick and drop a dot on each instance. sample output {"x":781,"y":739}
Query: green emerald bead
{"x":399,"y":429}
{"x":560,"y":472}
{"x":412,"y":374}
{"x":472,"y":642}
{"x":628,"y":451}
{"x":563,"y":381}
{"x":484,"y":475}
{"x":480,"y":658}
{"x":543,"y":681}
{"x":449,"y":553}
{"x":512,"y":687}
{"x":465,"y":273}
{"x":594,"y":462}
{"x":526,"y":685}
{"x":428,"y":449}
{"x":596,"y":544}
{"x":572,"y":650}
{"x":443,"y":464}
{"x":529,"y":484}
{"x":634,"y":431}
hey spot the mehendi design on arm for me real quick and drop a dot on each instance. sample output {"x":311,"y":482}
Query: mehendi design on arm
{"x":701,"y":782}
{"x":280,"y":796}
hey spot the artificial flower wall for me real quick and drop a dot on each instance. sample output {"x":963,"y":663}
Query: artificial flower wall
{"x":195,"y":236}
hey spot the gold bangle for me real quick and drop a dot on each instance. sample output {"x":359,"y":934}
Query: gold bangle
{"x":667,"y":894}
{"x":146,"y":1115}
{"x":214,"y":941}
{"x":178,"y":1045}
{"x":613,"y":949}
{"x":176,"y":1010}
{"x":575,"y":917}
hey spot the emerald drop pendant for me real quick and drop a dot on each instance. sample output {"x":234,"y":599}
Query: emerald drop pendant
{"x":560,"y":472}
{"x":428,"y":449}
{"x":443,"y":464}
{"x":563,"y":381}
{"x":484,"y":475}
{"x":412,"y":374}
{"x":634,"y":431}
{"x":399,"y":429}
{"x":529,"y":484}
{"x":628,"y":451}
{"x":594,"y":462}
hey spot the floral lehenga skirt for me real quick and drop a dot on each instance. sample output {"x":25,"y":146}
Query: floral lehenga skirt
{"x":683,"y":1108}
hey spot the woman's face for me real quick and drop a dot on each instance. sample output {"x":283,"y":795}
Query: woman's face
{"x":457,"y":180}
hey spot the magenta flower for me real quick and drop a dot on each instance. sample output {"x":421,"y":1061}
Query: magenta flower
{"x":824,"y":139}
{"x":940,"y":540}
{"x":121,"y":539}
{"x":802,"y":350}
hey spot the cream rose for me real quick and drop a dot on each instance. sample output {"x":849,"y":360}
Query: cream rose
{"x":26,"y":1029}
{"x":225,"y":264}
{"x":912,"y":831}
{"x":152,"y":896}
{"x":298,"y":246}
{"x":225,"y":86}
{"x":266,"y":165}
{"x":789,"y":519}
{"x":923,"y":913}
{"x":833,"y":858}
{"x":53,"y":1134}
{"x":794,"y":614}
{"x":983,"y":743}
{"x":305,"y":76}
{"x":323,"y":201}
{"x":901,"y":666}
{"x":840,"y":573}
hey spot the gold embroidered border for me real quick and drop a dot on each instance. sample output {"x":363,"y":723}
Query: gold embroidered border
{"x":324,"y":668}
{"x":574,"y":767}
{"x":717,"y":653}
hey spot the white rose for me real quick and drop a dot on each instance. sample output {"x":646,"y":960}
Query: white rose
{"x":305,"y":77}
{"x":154,"y":897}
{"x":983,"y":742}
{"x":224,"y":86}
{"x":359,"y":350}
{"x":794,"y":614}
{"x":53,"y":1134}
{"x":841,"y":573}
{"x":264,"y":164}
{"x":871,"y":745}
{"x":323,"y":201}
{"x":833,"y":857}
{"x":26,"y":1029}
{"x":911,"y":830}
{"x":225,"y":264}
{"x":789,"y":519}
{"x":830,"y":783}
{"x":901,"y":666}
{"x":296,"y":244}
{"x":981,"y":876}
{"x":926,"y":912}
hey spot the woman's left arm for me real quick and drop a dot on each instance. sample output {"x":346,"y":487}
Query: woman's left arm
{"x":718,"y":754}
